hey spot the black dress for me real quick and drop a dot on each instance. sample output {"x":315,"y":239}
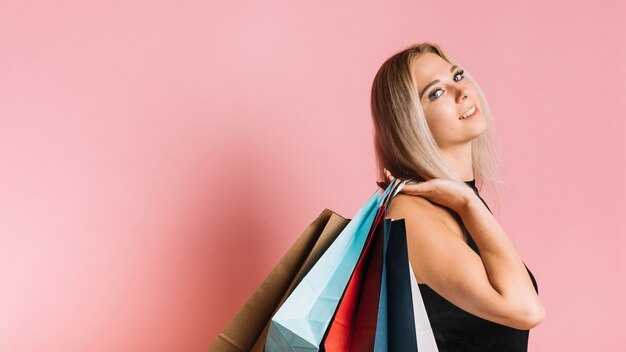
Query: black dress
{"x":457,"y":330}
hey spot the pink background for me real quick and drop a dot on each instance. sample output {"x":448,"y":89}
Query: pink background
{"x":158,"y":157}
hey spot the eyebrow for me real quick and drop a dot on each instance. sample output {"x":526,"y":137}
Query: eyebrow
{"x":435,"y":82}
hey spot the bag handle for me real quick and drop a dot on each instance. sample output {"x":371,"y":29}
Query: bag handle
{"x":395,"y":185}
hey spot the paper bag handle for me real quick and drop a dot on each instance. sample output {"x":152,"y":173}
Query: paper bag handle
{"x":396,"y":185}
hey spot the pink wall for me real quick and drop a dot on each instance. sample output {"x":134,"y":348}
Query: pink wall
{"x":158,"y":157}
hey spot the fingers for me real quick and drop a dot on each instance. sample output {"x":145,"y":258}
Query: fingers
{"x":388,"y":174}
{"x":388,"y":178}
{"x":410,"y":187}
{"x":419,"y":189}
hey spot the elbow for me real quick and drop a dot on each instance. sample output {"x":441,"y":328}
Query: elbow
{"x":531,"y":317}
{"x":538,"y":317}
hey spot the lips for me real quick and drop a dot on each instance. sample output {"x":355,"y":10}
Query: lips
{"x":474,"y":108}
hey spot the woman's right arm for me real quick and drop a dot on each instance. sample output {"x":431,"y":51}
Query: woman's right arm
{"x":496,"y":287}
{"x":504,"y":267}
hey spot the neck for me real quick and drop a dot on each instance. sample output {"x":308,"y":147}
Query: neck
{"x":459,"y":157}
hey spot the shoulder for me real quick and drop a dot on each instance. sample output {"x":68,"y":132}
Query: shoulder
{"x":427,"y":224}
{"x":402,"y":202}
{"x":406,"y":206}
{"x":427,"y":230}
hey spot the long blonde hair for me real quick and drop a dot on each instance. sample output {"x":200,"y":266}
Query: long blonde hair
{"x":403,"y":142}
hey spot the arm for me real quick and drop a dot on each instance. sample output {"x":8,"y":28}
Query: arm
{"x":496,"y":288}
{"x":504,"y":267}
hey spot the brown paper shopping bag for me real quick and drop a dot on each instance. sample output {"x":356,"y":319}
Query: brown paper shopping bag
{"x":247,"y":329}
{"x":335,"y":225}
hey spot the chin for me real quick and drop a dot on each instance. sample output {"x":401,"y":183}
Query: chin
{"x":479,"y":129}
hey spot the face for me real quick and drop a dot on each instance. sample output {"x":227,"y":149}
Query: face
{"x":445,"y":101}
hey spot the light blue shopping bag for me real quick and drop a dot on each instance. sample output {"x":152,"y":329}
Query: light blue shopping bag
{"x":302,"y":320}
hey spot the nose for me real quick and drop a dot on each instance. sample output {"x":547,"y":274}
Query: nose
{"x":463,"y":93}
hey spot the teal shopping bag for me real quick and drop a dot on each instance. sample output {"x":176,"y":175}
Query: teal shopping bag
{"x":302,"y":320}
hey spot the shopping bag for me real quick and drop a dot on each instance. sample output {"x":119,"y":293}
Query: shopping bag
{"x":343,"y":335}
{"x":425,"y":336}
{"x":302,"y":320}
{"x":400,"y":313}
{"x":244,"y":328}
{"x":353,"y":328}
{"x":408,"y":327}
{"x":380,"y":341}
{"x":335,"y":225}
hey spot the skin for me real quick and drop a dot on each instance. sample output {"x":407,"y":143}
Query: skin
{"x":495,"y":285}
{"x":443,"y":104}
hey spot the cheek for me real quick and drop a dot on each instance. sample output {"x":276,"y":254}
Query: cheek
{"x":448,"y":110}
{"x":441,"y":114}
{"x":441,"y":121}
{"x":436,"y":122}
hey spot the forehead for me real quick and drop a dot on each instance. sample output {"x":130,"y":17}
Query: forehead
{"x":427,"y":67}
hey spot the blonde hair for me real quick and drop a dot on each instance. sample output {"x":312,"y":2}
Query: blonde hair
{"x":403,"y":142}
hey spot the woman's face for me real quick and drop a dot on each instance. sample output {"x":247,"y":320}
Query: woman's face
{"x":446,"y":100}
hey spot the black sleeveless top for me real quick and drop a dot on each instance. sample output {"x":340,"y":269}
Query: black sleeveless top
{"x":458,"y":330}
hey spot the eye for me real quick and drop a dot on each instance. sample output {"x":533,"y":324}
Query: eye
{"x":434,"y":96}
{"x":460,"y":73}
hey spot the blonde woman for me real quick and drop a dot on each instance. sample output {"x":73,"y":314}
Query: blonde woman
{"x":433,"y":127}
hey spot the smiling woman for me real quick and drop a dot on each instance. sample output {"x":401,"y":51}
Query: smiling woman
{"x":433,"y":127}
{"x":446,"y":100}
{"x":416,"y":132}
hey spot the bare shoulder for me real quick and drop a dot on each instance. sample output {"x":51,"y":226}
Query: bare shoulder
{"x":406,"y":206}
{"x":423,"y":219}
{"x":443,"y":261}
{"x":403,"y":203}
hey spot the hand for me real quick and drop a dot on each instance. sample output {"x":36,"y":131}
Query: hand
{"x":441,"y":191}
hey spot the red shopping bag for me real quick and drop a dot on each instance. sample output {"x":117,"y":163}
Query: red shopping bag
{"x":353,"y":327}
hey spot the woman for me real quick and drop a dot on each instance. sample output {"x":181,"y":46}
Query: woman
{"x":433,"y":127}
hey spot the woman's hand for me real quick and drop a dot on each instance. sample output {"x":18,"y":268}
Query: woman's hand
{"x":444,"y":192}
